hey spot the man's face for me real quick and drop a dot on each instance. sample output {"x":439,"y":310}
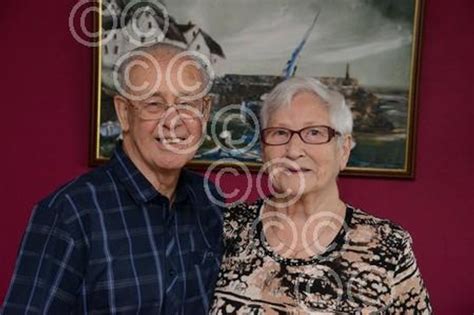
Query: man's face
{"x":169,"y":140}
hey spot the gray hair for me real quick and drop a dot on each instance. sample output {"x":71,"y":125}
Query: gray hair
{"x":157,"y":51}
{"x":281,"y":96}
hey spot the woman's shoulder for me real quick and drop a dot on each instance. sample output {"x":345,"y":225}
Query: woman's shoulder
{"x":379,"y":231}
{"x":243,"y":212}
{"x":380,"y":245}
{"x":241,"y":216}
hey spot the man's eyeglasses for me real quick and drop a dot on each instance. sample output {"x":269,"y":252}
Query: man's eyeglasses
{"x":310,"y":135}
{"x":153,"y":109}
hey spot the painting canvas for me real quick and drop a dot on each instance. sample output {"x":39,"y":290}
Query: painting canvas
{"x":365,"y":49}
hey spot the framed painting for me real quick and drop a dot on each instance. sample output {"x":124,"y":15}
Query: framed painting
{"x":366,"y":49}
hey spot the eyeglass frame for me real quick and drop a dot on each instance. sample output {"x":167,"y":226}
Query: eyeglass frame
{"x":139,"y":108}
{"x":331,"y":134}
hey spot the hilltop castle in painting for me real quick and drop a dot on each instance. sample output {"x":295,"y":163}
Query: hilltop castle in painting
{"x":235,"y":89}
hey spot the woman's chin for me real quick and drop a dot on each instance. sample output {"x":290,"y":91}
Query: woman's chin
{"x":289,"y":191}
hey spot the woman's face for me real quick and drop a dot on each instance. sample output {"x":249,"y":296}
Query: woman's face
{"x":298,"y":167}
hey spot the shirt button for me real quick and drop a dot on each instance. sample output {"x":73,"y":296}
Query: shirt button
{"x":171,"y":272}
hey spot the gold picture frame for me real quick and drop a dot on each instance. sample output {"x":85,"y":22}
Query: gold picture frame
{"x":385,"y":116}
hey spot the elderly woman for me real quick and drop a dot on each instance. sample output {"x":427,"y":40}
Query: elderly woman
{"x":304,"y":250}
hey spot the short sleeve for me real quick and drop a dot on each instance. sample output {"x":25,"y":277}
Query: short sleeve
{"x":408,"y":292}
{"x":49,"y":267}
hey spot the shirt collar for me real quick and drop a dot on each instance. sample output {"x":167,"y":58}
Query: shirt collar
{"x":135,"y":182}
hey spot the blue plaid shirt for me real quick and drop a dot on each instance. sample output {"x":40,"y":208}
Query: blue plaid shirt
{"x":110,"y":243}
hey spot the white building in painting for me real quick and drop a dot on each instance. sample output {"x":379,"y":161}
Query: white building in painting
{"x":144,"y":29}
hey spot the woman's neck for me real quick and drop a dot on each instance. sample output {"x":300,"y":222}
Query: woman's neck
{"x":305,"y":227}
{"x":311,"y":203}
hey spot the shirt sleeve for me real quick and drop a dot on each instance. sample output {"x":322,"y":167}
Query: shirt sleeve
{"x":49,"y":268}
{"x":408,"y":291}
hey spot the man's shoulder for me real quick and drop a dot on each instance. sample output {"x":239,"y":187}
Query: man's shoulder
{"x":192,"y":176}
{"x":78,"y":186}
{"x":197,"y":180}
{"x":64,"y":209}
{"x":202,"y":188}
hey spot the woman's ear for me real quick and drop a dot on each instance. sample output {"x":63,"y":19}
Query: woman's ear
{"x":345,"y":151}
{"x":208,"y":100}
{"x":121,"y":109}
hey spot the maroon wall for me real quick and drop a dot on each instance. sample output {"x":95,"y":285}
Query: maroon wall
{"x":46,"y":95}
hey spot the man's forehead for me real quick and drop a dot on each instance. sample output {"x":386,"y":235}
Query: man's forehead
{"x":180,"y":77}
{"x":185,"y":67}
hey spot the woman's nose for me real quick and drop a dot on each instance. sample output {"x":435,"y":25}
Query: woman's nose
{"x":294,"y":147}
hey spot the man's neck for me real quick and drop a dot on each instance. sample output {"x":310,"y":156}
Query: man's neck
{"x":163,"y":180}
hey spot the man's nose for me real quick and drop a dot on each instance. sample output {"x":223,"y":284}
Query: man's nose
{"x":172,"y":118}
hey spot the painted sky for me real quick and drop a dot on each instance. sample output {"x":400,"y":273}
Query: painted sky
{"x":259,"y":36}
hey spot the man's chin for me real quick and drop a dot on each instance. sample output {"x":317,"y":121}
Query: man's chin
{"x":184,"y":148}
{"x":171,"y":160}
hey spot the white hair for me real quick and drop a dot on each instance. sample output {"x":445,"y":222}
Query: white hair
{"x":340,"y":115}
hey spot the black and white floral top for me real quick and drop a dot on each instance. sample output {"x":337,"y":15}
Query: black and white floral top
{"x":369,"y":268}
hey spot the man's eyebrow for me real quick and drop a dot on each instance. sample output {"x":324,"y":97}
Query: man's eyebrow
{"x":157,"y":94}
{"x":185,"y":94}
{"x":178,"y":94}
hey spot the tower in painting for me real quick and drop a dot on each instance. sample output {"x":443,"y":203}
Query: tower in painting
{"x":347,"y":80}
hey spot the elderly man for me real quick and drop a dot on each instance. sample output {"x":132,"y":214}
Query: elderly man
{"x":138,"y":235}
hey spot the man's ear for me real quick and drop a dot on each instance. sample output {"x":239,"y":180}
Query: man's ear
{"x":345,"y":151}
{"x":121,"y":109}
